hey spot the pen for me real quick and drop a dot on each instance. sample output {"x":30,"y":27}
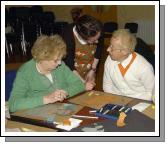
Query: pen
{"x":127,"y":110}
{"x":81,"y":116}
{"x":101,"y":110}
{"x":121,"y":108}
{"x":93,"y":111}
{"x":106,"y":111}
{"x":114,"y":107}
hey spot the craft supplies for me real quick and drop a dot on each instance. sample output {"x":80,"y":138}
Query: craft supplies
{"x":113,"y":111}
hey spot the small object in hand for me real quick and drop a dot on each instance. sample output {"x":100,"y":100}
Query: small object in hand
{"x":121,"y":119}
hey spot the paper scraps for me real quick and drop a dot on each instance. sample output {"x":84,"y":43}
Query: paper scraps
{"x":121,"y":119}
{"x":94,"y":128}
{"x":73,"y":124}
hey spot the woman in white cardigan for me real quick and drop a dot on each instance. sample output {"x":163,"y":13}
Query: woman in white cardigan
{"x":126,"y":72}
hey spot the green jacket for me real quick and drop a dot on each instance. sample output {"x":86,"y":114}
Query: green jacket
{"x":30,"y":86}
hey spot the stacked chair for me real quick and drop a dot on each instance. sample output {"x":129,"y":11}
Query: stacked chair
{"x":27,"y":24}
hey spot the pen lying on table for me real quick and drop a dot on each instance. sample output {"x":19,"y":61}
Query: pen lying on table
{"x":83,"y":116}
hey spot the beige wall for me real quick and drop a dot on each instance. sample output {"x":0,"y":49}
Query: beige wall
{"x":130,"y":13}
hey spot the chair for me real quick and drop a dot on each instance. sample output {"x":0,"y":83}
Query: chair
{"x":109,"y":27}
{"x":59,"y":27}
{"x":133,"y":27}
{"x":143,"y":49}
{"x":47,"y":24}
{"x":9,"y":79}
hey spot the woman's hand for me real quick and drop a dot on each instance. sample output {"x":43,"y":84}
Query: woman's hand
{"x":58,"y":95}
{"x":90,"y":76}
{"x":89,"y":85}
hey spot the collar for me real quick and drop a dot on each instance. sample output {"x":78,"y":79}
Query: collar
{"x":82,"y":41}
{"x":125,"y":62}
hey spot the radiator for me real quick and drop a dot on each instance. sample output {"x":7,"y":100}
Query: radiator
{"x":146,"y":31}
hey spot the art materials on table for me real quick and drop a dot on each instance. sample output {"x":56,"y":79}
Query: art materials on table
{"x":92,"y":111}
{"x":153,"y":106}
{"x":112,"y":111}
{"x":121,"y":120}
{"x":26,"y":130}
{"x":83,"y":116}
{"x":97,"y":99}
{"x":141,"y":106}
{"x":47,"y":115}
{"x":134,"y":121}
{"x":73,"y":124}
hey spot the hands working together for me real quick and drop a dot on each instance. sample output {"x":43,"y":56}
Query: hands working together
{"x":57,"y":95}
{"x":60,"y":95}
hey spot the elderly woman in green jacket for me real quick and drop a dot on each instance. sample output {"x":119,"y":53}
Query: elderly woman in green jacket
{"x":45,"y":78}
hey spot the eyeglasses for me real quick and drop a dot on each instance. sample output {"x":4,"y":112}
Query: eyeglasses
{"x":114,"y":49}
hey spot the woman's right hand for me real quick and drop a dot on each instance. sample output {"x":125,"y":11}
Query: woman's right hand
{"x":58,"y":95}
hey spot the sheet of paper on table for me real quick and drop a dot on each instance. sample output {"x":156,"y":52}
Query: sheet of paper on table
{"x":141,"y":106}
{"x":74,"y":123}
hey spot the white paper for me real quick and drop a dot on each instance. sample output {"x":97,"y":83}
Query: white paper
{"x":74,"y":123}
{"x":141,"y":106}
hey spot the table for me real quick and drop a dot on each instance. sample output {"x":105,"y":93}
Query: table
{"x":90,"y":100}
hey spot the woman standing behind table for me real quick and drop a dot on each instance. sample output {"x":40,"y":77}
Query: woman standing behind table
{"x":45,"y":78}
{"x":84,"y":46}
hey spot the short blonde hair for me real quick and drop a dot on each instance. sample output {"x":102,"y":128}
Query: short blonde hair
{"x":48,"y":47}
{"x":128,"y":40}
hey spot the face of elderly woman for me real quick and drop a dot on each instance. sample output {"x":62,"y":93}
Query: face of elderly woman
{"x":49,"y":65}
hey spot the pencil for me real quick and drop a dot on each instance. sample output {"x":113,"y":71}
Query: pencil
{"x":82,"y":116}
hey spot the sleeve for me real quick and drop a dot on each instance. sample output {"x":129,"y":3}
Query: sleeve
{"x":74,"y":84}
{"x":148,"y":80}
{"x":19,"y":98}
{"x":107,"y":82}
{"x":100,"y":46}
{"x":68,"y":37}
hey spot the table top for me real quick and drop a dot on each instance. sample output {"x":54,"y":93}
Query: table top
{"x":90,"y":100}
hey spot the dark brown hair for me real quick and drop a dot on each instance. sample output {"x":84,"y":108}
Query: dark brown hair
{"x":88,"y":26}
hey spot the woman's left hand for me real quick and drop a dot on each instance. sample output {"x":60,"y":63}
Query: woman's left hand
{"x":89,"y":85}
{"x":90,"y":76}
